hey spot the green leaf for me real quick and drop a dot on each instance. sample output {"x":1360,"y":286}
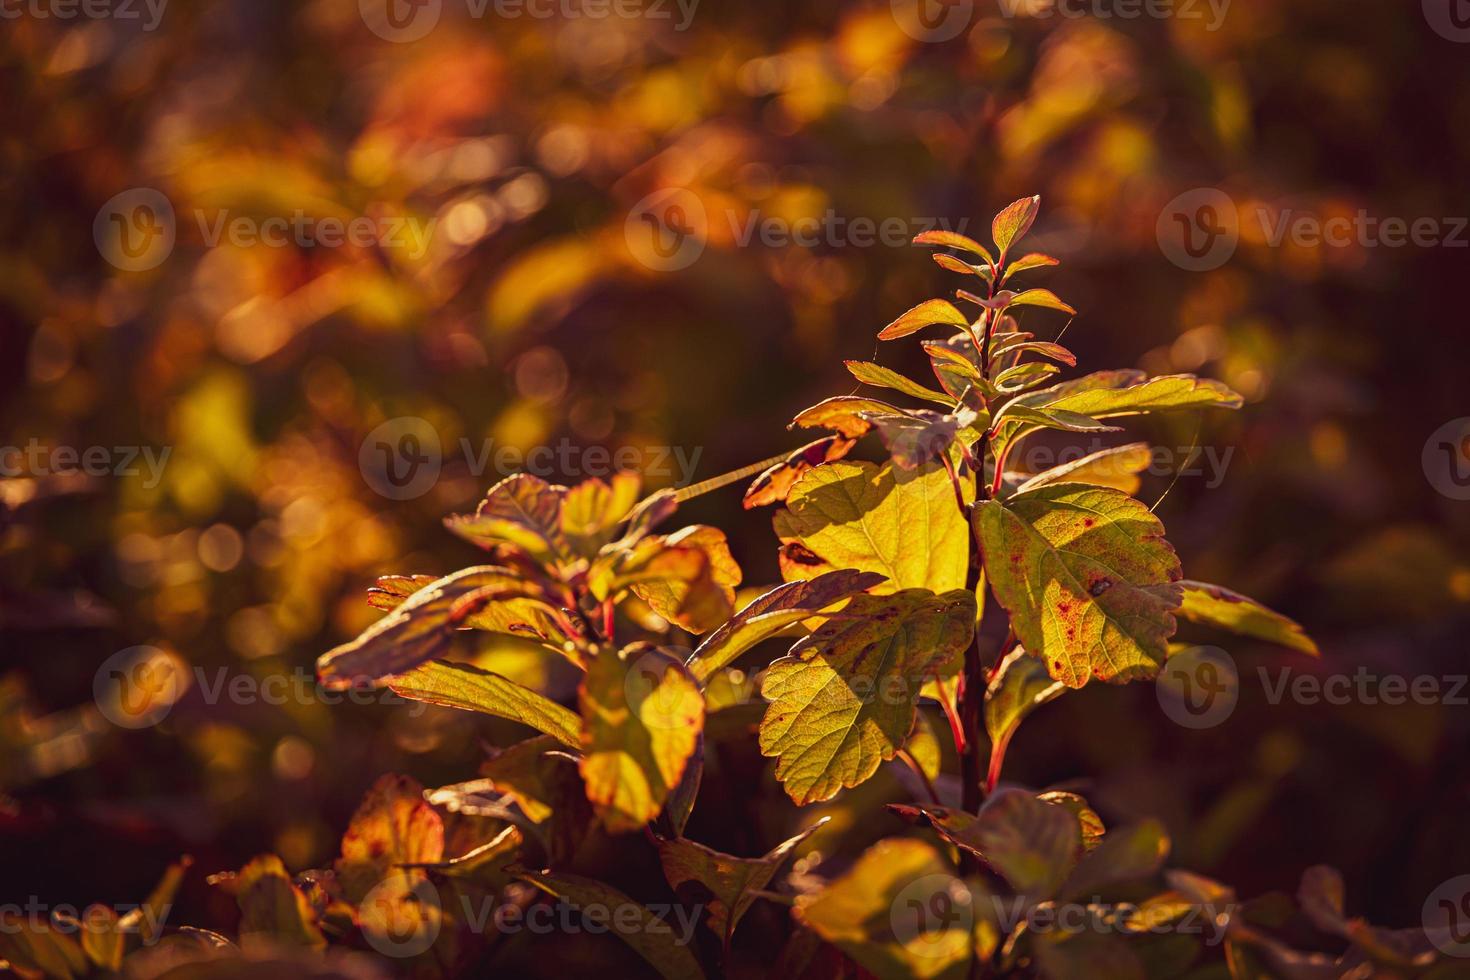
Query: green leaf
{"x":1020,"y":686}
{"x":772,"y":612}
{"x":653,"y":938}
{"x":904,"y":525}
{"x":846,"y":414}
{"x":1117,"y":467}
{"x":642,"y":715}
{"x":273,"y":911}
{"x":1014,"y":221}
{"x":926,"y":314}
{"x":772,"y":486}
{"x":899,"y":911}
{"x":472,"y":689}
{"x":422,"y":626}
{"x":874,"y":374}
{"x":1087,"y":578}
{"x":1023,"y":376}
{"x":1030,"y":843}
{"x":1047,"y":417}
{"x":844,"y":699}
{"x":1021,"y":344}
{"x":1043,"y":298}
{"x":949,"y":239}
{"x":1215,"y":605}
{"x":1113,"y":394}
{"x":725,"y":884}
{"x":1125,"y":855}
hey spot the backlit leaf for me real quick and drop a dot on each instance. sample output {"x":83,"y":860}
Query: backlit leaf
{"x":1020,"y":686}
{"x":904,"y":525}
{"x":421,"y":627}
{"x":874,"y":374}
{"x":102,"y":939}
{"x":1217,"y":606}
{"x":1020,"y":345}
{"x":772,"y":486}
{"x":1032,"y":260}
{"x":774,"y":611}
{"x":725,"y":884}
{"x":592,"y":510}
{"x":642,"y":714}
{"x":1087,"y":578}
{"x":655,"y":938}
{"x":1044,"y":298}
{"x":926,"y":314}
{"x":846,"y":414}
{"x":272,"y":909}
{"x":899,"y":911}
{"x":1113,"y":394}
{"x":844,"y":699}
{"x":470,"y":688}
{"x":950,"y":263}
{"x":949,"y":239}
{"x":1014,"y":221}
{"x":1117,"y":467}
{"x":522,"y":512}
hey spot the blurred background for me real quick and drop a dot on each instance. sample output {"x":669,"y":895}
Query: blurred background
{"x":246,"y":245}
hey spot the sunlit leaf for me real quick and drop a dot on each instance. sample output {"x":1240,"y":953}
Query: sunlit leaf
{"x":272,"y":909}
{"x":1043,"y":298}
{"x":772,"y":486}
{"x":950,"y":239}
{"x":421,"y":627}
{"x":904,"y":525}
{"x":877,"y":375}
{"x":1089,"y":824}
{"x":34,"y":946}
{"x":1023,"y":376}
{"x":1218,"y":606}
{"x":103,"y":940}
{"x":389,"y":591}
{"x":1019,"y":344}
{"x":1087,"y":578}
{"x":655,"y":938}
{"x":1117,"y":467}
{"x":899,"y":911}
{"x":917,"y":438}
{"x":774,"y":611}
{"x":642,"y":714}
{"x":469,"y":688}
{"x":592,"y":510}
{"x":950,"y":263}
{"x":725,"y":884}
{"x":1047,"y":417}
{"x":1012,"y":223}
{"x":688,"y":577}
{"x":844,"y":699}
{"x":1032,"y":260}
{"x":846,"y":414}
{"x":1113,"y":394}
{"x":926,"y":314}
{"x":522,"y":512}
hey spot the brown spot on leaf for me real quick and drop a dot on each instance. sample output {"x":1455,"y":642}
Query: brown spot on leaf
{"x":1099,"y":586}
